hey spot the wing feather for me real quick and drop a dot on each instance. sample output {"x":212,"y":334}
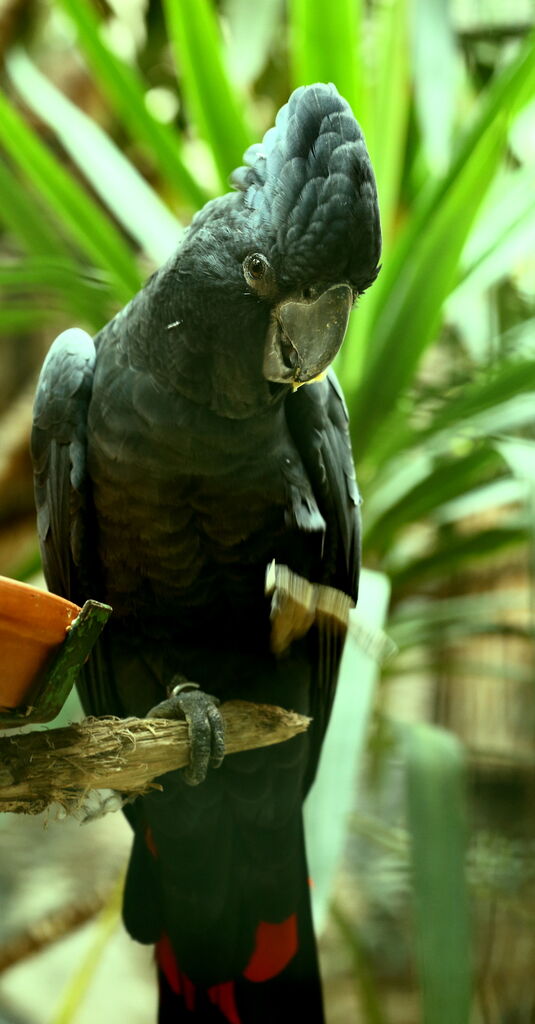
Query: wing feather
{"x":319,"y":424}
{"x":58,"y":448}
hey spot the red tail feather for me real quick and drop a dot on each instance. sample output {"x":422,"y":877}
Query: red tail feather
{"x":223,"y":996}
{"x":177,"y":981}
{"x":275,"y":946}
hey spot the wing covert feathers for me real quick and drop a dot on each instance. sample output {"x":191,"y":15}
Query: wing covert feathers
{"x":58,"y":448}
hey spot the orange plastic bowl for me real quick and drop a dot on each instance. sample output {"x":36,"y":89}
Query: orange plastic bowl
{"x":33,"y":624}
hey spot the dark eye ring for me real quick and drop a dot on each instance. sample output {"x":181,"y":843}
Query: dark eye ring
{"x":255,"y":267}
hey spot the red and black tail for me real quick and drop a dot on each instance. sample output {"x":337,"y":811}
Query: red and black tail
{"x":218,"y":880}
{"x":204,"y":980}
{"x":279,"y":985}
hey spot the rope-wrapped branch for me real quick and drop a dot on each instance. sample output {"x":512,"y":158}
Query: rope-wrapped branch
{"x":61,"y":765}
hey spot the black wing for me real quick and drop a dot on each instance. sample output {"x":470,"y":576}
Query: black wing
{"x":58,"y":448}
{"x":319,"y":423}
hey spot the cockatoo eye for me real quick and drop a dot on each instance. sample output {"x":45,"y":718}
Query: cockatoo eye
{"x":256,"y":267}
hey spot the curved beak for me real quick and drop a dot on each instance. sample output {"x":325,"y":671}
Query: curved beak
{"x":305,"y":334}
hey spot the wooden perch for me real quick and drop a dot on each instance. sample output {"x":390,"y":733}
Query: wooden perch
{"x":62,"y":765}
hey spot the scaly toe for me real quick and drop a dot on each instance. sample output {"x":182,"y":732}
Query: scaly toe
{"x":205,"y":727}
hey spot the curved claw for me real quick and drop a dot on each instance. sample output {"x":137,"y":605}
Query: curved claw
{"x":205,"y":727}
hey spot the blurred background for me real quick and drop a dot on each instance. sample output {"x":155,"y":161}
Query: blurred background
{"x":118,"y":120}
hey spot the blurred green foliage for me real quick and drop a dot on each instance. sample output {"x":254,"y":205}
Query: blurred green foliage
{"x":439,"y":363}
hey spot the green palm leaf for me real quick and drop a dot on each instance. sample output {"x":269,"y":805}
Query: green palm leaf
{"x":210,"y":96}
{"x":89,"y":228}
{"x":125,"y":91}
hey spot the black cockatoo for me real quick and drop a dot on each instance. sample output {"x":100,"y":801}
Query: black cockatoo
{"x":176,"y":456}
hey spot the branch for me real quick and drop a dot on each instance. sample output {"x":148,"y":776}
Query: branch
{"x":56,"y":925}
{"x":62,"y":765}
